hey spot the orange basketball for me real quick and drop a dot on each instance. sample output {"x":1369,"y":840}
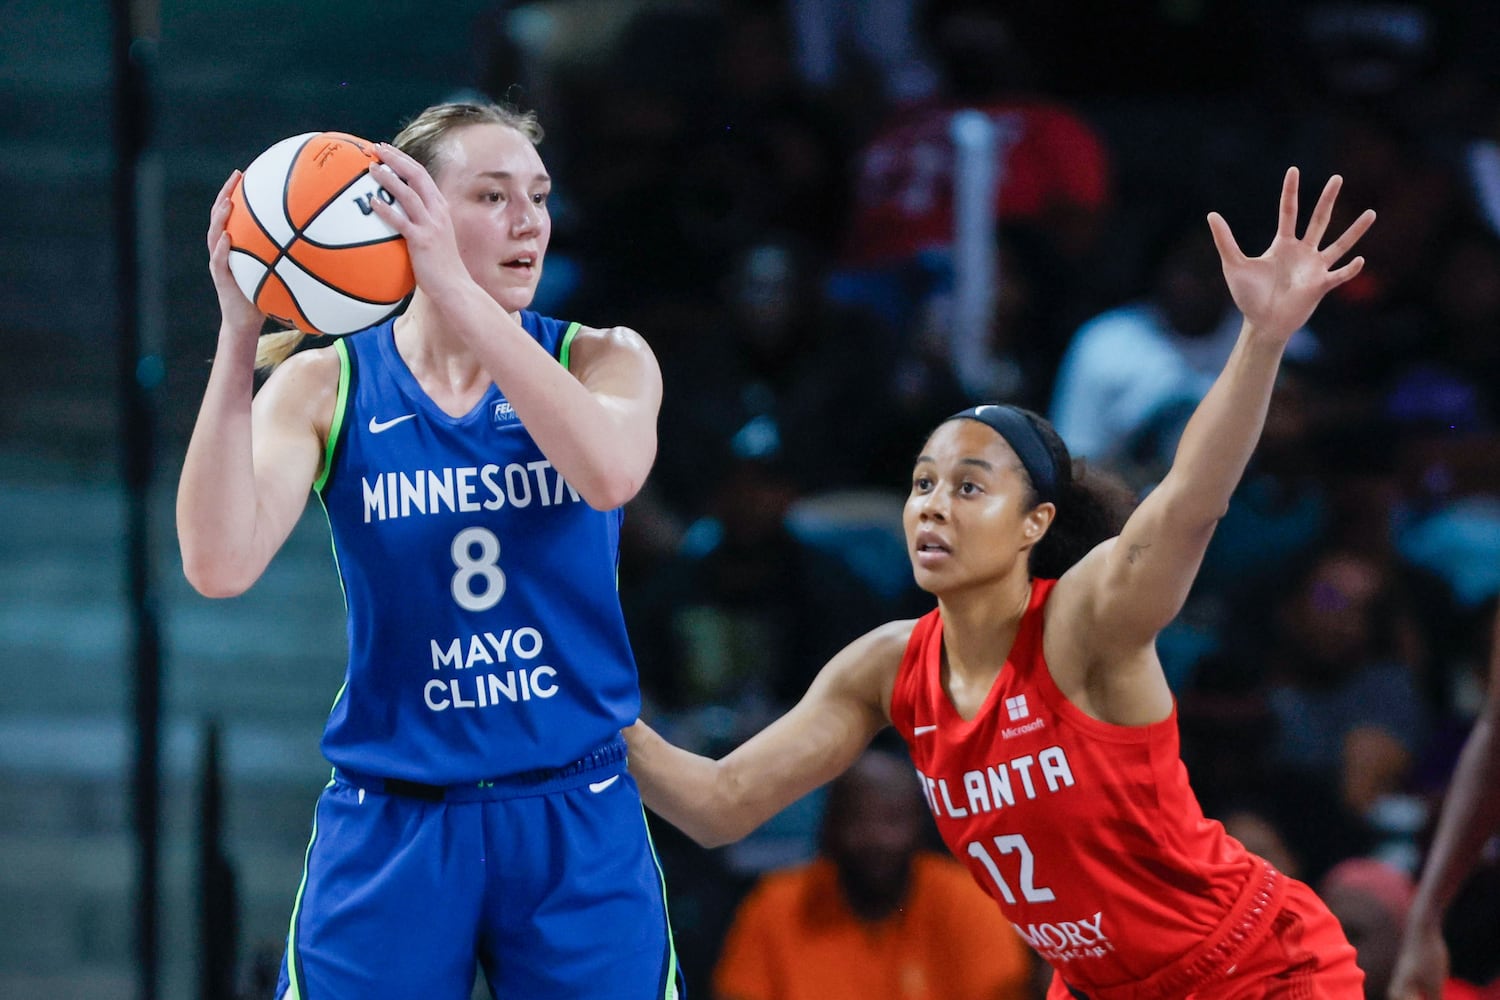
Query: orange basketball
{"x":307,"y":248}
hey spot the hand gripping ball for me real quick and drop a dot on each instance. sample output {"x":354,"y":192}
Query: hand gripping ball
{"x":306,"y":247}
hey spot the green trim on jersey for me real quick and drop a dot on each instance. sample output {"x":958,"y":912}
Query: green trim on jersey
{"x":565,"y":346}
{"x":670,"y":993}
{"x":338,"y":570}
{"x":293,"y":972}
{"x":340,"y":405}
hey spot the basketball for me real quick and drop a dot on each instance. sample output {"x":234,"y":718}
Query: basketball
{"x":306,"y":247}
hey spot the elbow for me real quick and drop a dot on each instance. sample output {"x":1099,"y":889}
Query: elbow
{"x":609,"y":496}
{"x":215,"y":585}
{"x":721,"y":832}
{"x":711,"y":841}
{"x":613,"y":487}
{"x":210,"y":578}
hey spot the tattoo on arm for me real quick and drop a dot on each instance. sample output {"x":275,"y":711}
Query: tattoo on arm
{"x":1135,"y":552}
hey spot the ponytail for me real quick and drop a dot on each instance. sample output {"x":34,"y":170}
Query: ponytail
{"x":1092,"y":505}
{"x":274,"y":348}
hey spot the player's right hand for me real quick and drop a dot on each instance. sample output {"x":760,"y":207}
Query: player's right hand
{"x":238,"y":312}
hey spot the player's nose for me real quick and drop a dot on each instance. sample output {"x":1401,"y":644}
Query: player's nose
{"x":526,"y":220}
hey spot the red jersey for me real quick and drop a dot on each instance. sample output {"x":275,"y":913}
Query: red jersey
{"x":903,"y":199}
{"x":1086,"y":833}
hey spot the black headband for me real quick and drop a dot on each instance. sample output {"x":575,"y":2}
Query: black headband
{"x":1024,"y":439}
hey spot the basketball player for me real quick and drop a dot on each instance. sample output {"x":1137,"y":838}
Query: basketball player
{"x":472,"y":458}
{"x":1032,"y":699}
{"x":1470,"y":817}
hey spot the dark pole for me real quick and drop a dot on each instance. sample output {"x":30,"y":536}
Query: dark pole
{"x":133,"y":40}
{"x":218,"y":922}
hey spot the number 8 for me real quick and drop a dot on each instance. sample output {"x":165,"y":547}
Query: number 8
{"x":483,"y":567}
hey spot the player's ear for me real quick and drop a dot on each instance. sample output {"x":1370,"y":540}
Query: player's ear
{"x":1037,"y":521}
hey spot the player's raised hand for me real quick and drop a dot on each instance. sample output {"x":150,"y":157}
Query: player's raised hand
{"x":423,"y":219}
{"x":1279,"y":290}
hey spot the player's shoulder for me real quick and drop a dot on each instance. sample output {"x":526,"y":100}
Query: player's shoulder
{"x":610,"y":348}
{"x":303,"y":390}
{"x":891,"y":639}
{"x":883,"y":645}
{"x":306,"y":376}
{"x":312,"y":364}
{"x":607,"y":338}
{"x":871,"y":662}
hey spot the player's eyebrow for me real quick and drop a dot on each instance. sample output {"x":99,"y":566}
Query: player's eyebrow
{"x":962,"y":461}
{"x":505,"y":175}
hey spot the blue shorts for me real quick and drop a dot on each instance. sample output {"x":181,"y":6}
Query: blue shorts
{"x":548,"y":882}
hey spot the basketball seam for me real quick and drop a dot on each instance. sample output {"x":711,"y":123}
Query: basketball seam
{"x":298,"y":230}
{"x":252,"y":255}
{"x":280,"y":250}
{"x":344,"y":246}
{"x":329,"y":285}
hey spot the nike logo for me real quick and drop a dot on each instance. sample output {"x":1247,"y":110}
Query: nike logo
{"x":922,"y":730}
{"x":376,"y":426}
{"x":598,"y":786}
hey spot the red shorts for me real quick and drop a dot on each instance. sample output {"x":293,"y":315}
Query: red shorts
{"x":1305,"y":957}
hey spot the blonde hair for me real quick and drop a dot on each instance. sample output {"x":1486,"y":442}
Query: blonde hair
{"x":421,"y":138}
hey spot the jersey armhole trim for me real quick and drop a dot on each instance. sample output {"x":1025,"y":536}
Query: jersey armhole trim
{"x":565,"y":346}
{"x":340,"y":406}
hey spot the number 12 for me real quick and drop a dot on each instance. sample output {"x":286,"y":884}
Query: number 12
{"x":1012,"y":843}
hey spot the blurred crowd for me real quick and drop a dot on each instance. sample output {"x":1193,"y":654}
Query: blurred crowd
{"x":766,"y":192}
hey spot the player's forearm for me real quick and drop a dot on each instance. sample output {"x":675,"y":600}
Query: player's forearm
{"x":1471,"y":815}
{"x":596,"y":448}
{"x":216,"y":491}
{"x":686,"y":789}
{"x":1221,"y":436}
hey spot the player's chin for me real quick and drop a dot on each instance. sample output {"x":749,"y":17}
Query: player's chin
{"x":926,"y":579}
{"x":514,"y":297}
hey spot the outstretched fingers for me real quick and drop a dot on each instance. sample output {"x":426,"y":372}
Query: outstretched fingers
{"x":1336,"y":250}
{"x":1286,"y":223}
{"x":1340,"y":275}
{"x":1229,"y":249}
{"x":1317,"y":225}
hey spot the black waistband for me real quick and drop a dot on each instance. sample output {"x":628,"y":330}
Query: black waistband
{"x":537,"y":781}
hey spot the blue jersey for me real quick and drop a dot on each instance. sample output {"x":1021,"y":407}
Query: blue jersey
{"x":485,"y":632}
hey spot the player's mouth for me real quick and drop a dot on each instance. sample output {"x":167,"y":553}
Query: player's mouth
{"x":525,"y":263}
{"x":929,"y":548}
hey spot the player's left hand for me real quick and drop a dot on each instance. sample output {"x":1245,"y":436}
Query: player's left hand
{"x":1279,"y":290}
